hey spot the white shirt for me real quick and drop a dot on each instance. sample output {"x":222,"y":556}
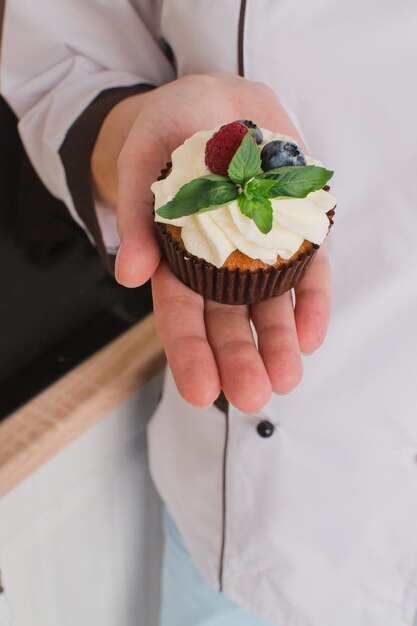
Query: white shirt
{"x":317,"y":524}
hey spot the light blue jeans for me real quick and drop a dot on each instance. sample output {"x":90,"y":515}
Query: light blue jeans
{"x":187,"y":600}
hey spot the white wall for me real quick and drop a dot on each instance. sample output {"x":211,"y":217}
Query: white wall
{"x":81,"y":539}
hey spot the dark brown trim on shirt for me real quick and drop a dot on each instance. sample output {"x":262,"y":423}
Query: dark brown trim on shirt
{"x":222,"y":403}
{"x":2,"y":7}
{"x":75,"y":154}
{"x":240,"y":39}
{"x":224,"y":503}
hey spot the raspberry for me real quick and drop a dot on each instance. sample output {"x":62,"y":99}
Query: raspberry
{"x":221,"y":148}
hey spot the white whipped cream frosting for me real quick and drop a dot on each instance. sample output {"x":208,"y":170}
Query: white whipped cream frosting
{"x":213,"y":236}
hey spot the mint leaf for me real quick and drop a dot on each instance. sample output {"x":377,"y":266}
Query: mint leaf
{"x":259,"y":187}
{"x":258,"y":209}
{"x":296,"y":181}
{"x":246,"y":161}
{"x":200,"y":195}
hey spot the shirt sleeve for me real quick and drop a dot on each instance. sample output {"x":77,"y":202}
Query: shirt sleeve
{"x":64,"y":67}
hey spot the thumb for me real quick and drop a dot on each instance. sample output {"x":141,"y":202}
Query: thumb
{"x":138,"y":255}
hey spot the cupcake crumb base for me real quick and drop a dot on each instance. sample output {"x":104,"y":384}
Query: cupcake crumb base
{"x":233,"y":286}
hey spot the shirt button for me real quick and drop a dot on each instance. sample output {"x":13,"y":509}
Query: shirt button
{"x":265,"y":429}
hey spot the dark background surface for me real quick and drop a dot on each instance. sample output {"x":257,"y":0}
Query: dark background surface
{"x":58,"y":304}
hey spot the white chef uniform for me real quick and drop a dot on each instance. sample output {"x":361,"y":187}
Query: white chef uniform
{"x":315,"y":525}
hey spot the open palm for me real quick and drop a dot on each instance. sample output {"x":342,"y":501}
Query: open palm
{"x":211,"y":346}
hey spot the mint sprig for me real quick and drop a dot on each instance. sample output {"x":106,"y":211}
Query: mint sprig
{"x":246,"y":183}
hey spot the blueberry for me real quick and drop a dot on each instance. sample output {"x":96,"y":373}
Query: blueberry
{"x":281,"y":153}
{"x":257,"y":134}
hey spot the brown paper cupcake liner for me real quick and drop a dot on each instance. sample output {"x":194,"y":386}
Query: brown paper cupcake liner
{"x":233,"y":286}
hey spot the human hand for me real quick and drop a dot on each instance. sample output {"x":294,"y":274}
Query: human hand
{"x":209,"y":346}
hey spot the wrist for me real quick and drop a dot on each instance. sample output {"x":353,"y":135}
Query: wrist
{"x":110,"y":140}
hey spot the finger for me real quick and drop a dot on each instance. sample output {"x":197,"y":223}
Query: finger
{"x":179,"y":318}
{"x":277,"y":342}
{"x":313,"y":303}
{"x":139,"y":254}
{"x":243,"y":376}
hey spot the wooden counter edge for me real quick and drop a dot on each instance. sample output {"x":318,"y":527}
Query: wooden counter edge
{"x":37,"y":431}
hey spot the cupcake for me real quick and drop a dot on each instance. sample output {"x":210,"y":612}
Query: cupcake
{"x":241,"y":212}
